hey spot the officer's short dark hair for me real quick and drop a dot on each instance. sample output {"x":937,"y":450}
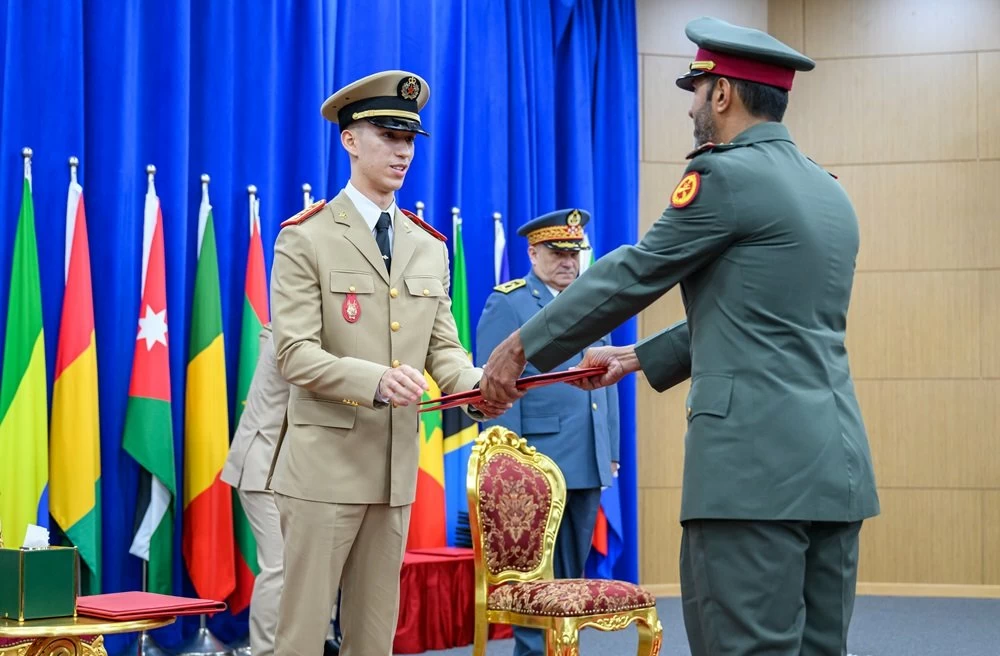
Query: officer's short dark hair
{"x":761,"y":100}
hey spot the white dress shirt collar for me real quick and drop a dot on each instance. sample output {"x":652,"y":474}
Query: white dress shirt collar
{"x":369,"y":211}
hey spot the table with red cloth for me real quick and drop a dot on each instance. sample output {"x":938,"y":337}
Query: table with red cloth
{"x":437,"y":601}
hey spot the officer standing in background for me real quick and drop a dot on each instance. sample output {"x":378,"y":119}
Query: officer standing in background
{"x":578,"y":429}
{"x":246,"y":470}
{"x":778,"y":474}
{"x":361,"y":309}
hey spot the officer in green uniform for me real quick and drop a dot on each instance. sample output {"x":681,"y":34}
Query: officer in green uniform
{"x":777,"y":474}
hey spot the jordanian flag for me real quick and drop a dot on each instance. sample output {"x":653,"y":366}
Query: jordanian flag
{"x":148,"y":428}
{"x":208,"y":510}
{"x":427,"y":523}
{"x":255,"y":315}
{"x":459,"y":430}
{"x":75,"y":443}
{"x":24,"y":433}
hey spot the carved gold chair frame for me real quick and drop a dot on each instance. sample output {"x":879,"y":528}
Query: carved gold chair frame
{"x":562,"y":633}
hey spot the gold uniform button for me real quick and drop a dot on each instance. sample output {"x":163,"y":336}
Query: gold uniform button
{"x":395,"y":326}
{"x":352,"y":288}
{"x":427,"y":292}
{"x":594,"y":406}
{"x":394,"y":292}
{"x":395,"y":363}
{"x":689,"y":411}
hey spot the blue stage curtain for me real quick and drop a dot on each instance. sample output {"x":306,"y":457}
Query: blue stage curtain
{"x":533,"y":106}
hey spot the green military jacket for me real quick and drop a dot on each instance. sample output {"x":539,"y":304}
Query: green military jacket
{"x":763,"y":243}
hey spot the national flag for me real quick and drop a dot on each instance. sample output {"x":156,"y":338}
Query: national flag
{"x":427,"y":524}
{"x":24,"y":431}
{"x":75,"y":443}
{"x":255,"y":315}
{"x":501,"y":266}
{"x":208,"y":507}
{"x":148,"y":435}
{"x":459,"y":430}
{"x":608,"y":544}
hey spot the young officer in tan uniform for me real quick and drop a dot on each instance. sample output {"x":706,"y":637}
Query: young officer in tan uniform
{"x":361,"y":309}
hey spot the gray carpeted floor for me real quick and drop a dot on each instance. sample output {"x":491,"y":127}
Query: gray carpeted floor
{"x":882,"y":626}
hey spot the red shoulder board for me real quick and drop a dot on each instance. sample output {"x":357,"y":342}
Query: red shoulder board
{"x":304,"y":214}
{"x":700,"y":149}
{"x":423,"y":224}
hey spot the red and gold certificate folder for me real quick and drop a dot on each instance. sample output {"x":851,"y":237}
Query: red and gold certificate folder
{"x":474,"y":396}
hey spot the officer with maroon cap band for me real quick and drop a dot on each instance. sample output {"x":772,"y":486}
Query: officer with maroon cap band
{"x":778,"y":474}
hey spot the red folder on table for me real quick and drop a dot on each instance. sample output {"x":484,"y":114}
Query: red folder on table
{"x":475,"y":396}
{"x":125,"y":606}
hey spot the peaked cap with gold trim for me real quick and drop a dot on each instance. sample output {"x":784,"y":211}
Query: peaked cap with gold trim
{"x":742,"y":53}
{"x":390,"y":99}
{"x":561,"y":230}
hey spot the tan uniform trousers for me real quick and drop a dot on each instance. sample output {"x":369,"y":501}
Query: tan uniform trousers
{"x":265,"y":523}
{"x":358,"y":546}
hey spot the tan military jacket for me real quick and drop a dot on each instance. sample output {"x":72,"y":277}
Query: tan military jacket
{"x":251,"y":451}
{"x":340,"y":321}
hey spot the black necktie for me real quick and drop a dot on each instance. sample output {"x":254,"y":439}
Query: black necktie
{"x":382,"y":238}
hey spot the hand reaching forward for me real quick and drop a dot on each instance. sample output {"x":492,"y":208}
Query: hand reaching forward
{"x":620,"y":361}
{"x":402,"y":386}
{"x":501,"y":371}
{"x":492,"y":410}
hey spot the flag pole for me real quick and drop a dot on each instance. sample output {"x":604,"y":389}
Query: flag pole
{"x":204,"y":642}
{"x":242,"y":647}
{"x":307,"y":198}
{"x":26,"y":153}
{"x":254,"y":205}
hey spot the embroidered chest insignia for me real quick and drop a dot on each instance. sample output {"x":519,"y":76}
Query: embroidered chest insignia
{"x":351,"y":309}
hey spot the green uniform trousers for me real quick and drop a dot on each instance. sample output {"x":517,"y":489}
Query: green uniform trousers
{"x":774,"y":588}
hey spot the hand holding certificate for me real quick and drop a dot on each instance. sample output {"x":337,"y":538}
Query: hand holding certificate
{"x":472,"y":397}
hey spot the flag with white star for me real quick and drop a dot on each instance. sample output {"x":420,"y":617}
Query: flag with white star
{"x":149,"y":434}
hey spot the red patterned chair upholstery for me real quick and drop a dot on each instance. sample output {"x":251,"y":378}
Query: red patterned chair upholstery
{"x":516,"y":501}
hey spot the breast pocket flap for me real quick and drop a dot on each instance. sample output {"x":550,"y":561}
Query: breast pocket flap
{"x":351,"y":282}
{"x":710,"y":394}
{"x":314,"y":412}
{"x":540,"y":425}
{"x":429,"y":287}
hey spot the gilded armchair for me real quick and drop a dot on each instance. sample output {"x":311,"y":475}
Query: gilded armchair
{"x":516,"y":501}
